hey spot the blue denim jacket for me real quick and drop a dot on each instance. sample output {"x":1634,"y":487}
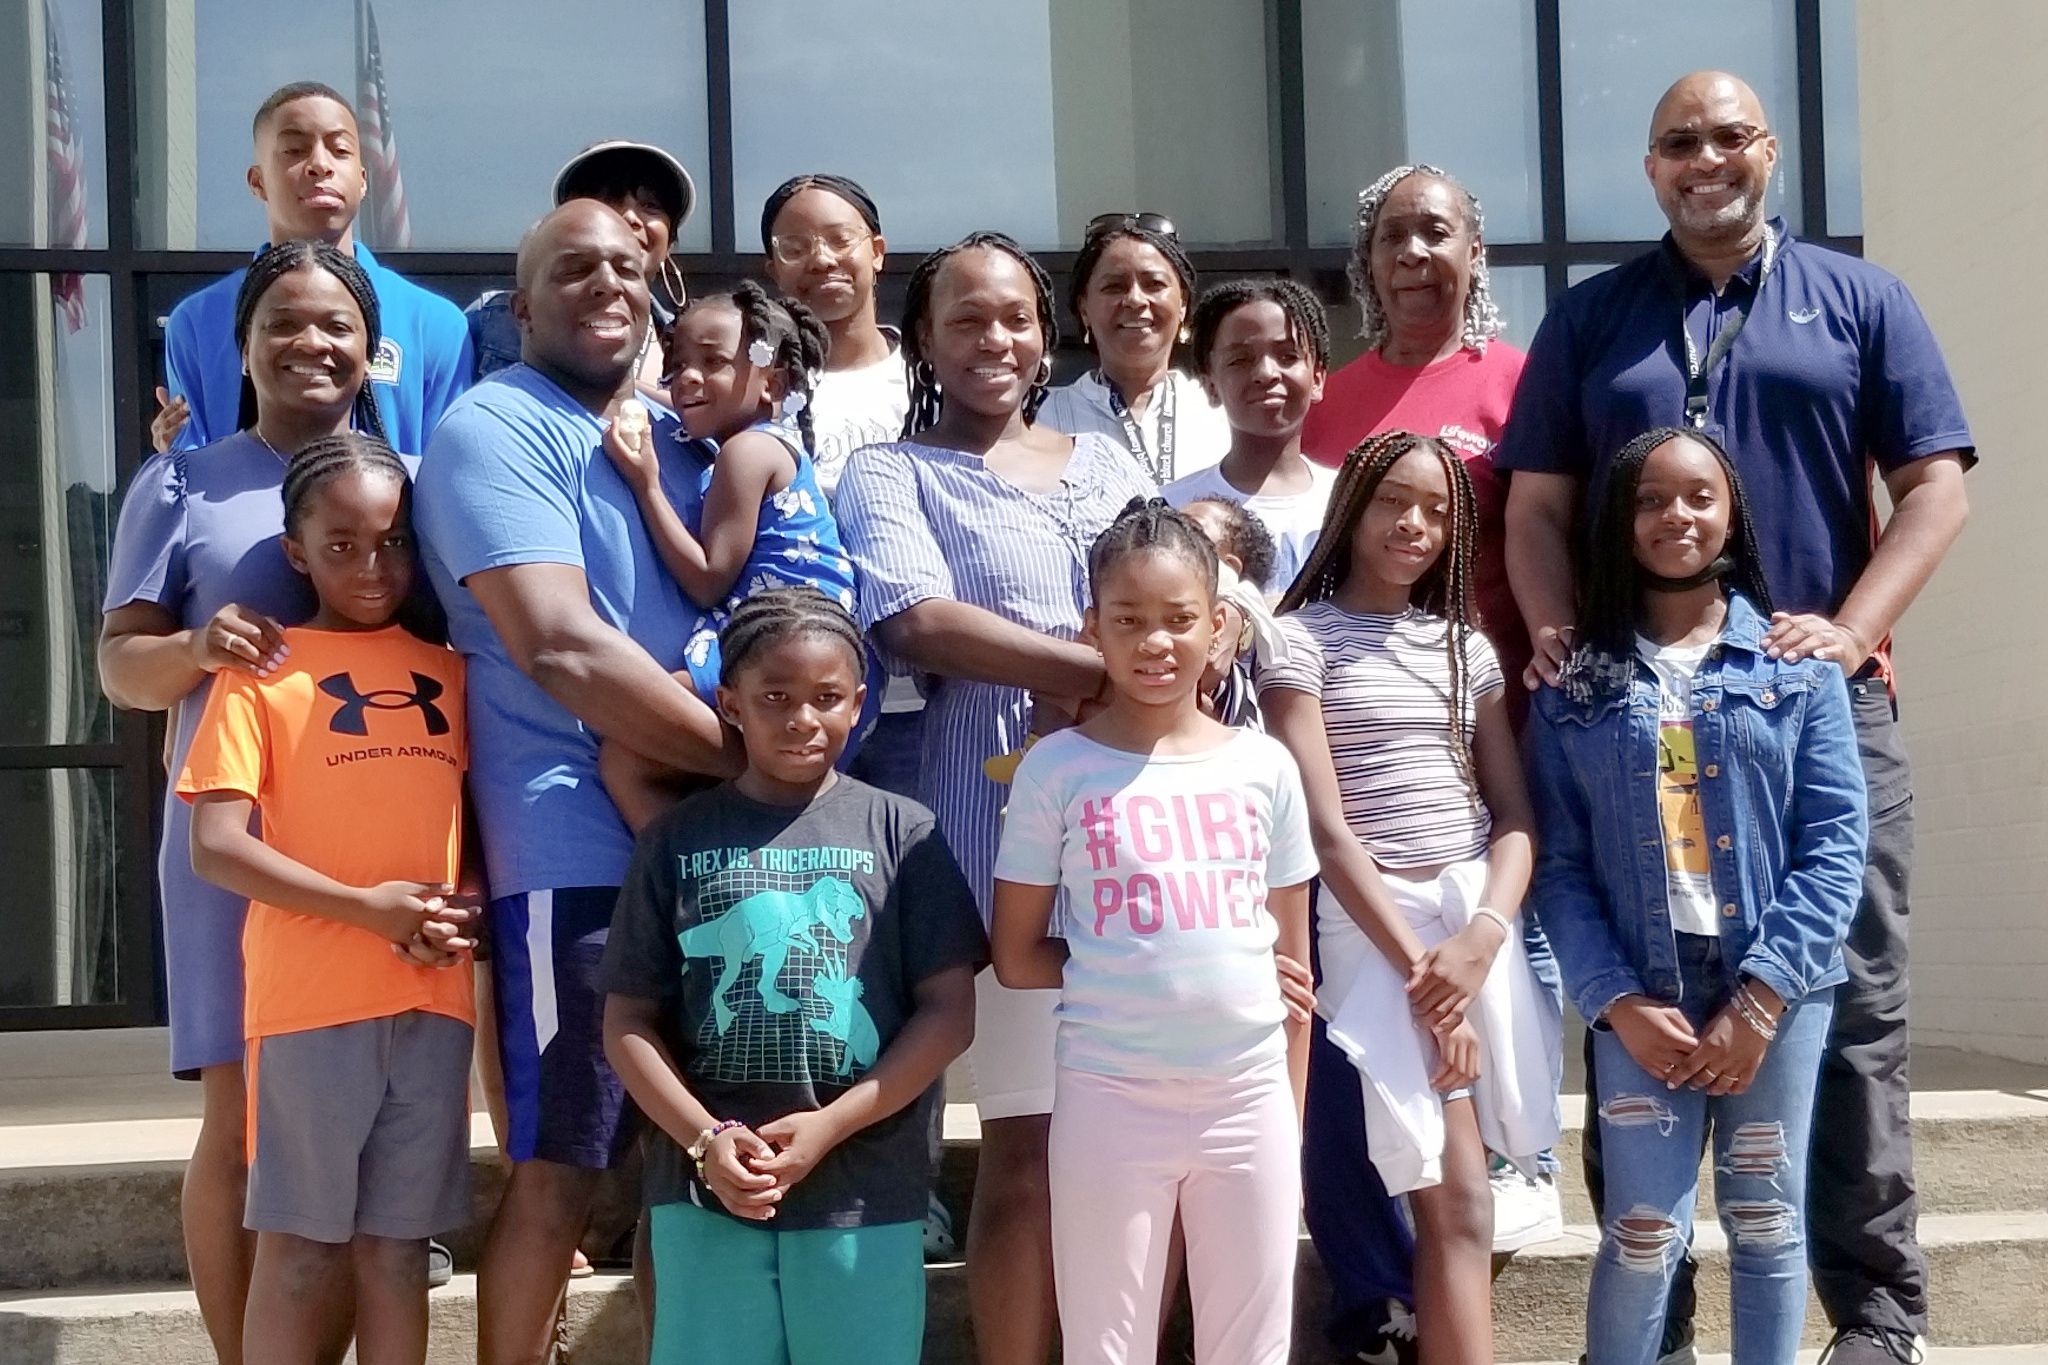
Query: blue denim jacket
{"x":1781,"y":795}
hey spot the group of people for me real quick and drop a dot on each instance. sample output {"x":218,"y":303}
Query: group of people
{"x":1239,"y":763}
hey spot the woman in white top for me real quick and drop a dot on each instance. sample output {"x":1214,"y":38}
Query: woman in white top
{"x":1131,"y":290}
{"x":823,"y":236}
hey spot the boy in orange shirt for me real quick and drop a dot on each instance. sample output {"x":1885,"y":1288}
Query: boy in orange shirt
{"x":359,"y":1004}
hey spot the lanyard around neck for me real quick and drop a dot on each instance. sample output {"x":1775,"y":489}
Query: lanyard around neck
{"x":1697,"y":371}
{"x":1161,"y":463}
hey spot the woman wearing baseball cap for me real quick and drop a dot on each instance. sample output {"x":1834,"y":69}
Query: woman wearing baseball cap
{"x":655,"y":195}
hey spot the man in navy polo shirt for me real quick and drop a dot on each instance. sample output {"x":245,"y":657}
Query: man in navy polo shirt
{"x":1810,"y":367}
{"x":309,"y":174}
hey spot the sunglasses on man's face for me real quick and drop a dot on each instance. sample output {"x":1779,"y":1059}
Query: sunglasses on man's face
{"x":1729,"y":138}
{"x":1119,"y":222}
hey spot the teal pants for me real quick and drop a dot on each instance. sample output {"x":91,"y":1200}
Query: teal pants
{"x":746,"y":1294}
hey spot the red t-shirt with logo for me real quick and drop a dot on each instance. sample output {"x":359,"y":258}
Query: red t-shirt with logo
{"x":354,"y":752}
{"x":1463,"y":401}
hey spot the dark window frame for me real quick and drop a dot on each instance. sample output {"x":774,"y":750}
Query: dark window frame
{"x":137,"y":278}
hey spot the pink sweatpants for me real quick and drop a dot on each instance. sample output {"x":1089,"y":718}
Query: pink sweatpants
{"x":1125,"y":1153}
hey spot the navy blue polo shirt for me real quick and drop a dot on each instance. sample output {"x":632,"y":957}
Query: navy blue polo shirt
{"x":1835,"y":371}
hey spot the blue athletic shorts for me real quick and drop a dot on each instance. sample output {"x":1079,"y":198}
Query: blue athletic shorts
{"x":564,"y":1101}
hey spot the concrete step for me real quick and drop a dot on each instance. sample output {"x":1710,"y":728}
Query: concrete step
{"x":1989,"y":1281}
{"x":97,"y":1202}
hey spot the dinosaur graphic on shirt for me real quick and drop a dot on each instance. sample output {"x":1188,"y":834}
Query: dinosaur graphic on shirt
{"x":849,"y":1021}
{"x":766,"y":926}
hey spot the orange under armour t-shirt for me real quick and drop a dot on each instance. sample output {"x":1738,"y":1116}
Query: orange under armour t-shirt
{"x":354,"y":751}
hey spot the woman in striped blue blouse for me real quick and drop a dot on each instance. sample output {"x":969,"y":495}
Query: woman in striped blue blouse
{"x":972,"y":538}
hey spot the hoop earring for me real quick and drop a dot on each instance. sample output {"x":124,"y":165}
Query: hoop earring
{"x":1042,"y":378}
{"x":672,"y":280}
{"x":924,"y":376}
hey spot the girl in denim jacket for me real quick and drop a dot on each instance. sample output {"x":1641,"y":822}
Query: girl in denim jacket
{"x":1702,"y":819}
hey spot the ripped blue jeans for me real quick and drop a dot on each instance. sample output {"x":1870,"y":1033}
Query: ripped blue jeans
{"x":1652,"y":1138}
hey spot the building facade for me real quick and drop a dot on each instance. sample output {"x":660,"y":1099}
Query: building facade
{"x":1252,"y":123}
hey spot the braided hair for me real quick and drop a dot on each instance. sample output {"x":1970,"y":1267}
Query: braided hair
{"x":1097,"y":244}
{"x":926,"y":400}
{"x":320,"y":462}
{"x":1445,"y":589}
{"x":777,"y":614}
{"x":1306,"y":321}
{"x":795,"y":339}
{"x":1613,"y":579}
{"x":1150,"y":524}
{"x":1482,"y":321}
{"x":1245,"y":538}
{"x":272,"y":264}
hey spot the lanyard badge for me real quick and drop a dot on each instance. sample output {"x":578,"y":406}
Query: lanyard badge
{"x":1697,"y":370}
{"x":1161,"y":463}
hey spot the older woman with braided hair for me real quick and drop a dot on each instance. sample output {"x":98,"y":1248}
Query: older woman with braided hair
{"x":1434,"y":361}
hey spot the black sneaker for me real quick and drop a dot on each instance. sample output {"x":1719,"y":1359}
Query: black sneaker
{"x":1867,"y":1345}
{"x":440,"y":1265}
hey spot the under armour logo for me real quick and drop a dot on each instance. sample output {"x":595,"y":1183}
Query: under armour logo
{"x":348,"y":717}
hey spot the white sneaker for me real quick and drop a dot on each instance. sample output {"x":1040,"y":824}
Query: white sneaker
{"x":1525,"y":1211}
{"x":938,"y":1231}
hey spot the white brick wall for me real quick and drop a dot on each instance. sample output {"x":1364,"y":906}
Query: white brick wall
{"x":1954,"y":198}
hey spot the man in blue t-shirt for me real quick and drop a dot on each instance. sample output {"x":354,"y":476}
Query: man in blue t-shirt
{"x":571,"y":625}
{"x":1810,"y":367}
{"x":309,"y":174}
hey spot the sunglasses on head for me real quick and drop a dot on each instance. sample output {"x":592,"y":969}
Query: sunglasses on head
{"x":1119,"y":222}
{"x":1729,"y":138}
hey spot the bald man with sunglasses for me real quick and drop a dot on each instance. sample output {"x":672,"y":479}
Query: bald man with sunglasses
{"x":1811,"y":367}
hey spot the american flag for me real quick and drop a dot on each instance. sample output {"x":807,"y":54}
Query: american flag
{"x":384,"y":221}
{"x":65,"y":193}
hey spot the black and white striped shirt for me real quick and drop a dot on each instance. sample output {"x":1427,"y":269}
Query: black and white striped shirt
{"x":1385,"y":686}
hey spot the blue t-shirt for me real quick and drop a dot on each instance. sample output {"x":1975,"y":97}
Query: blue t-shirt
{"x":516,"y":474}
{"x":1836,"y":368}
{"x":422,"y":363}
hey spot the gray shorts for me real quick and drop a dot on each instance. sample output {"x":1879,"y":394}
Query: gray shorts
{"x":361,"y":1128}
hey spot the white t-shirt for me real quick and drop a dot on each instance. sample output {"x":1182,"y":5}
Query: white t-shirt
{"x":1688,"y":874}
{"x":1163,"y":864}
{"x":1294,"y":520}
{"x":1201,"y":435}
{"x":855,"y":408}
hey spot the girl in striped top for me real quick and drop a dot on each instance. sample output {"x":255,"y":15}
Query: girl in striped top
{"x":1394,"y":708}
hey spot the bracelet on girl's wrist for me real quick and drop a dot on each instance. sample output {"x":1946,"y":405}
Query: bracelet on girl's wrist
{"x":1507,"y":929}
{"x":1754,"y":1014}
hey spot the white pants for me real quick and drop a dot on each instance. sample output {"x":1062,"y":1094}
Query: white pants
{"x":1519,"y":1023}
{"x":1125,"y":1154}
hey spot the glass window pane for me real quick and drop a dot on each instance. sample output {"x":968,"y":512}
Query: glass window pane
{"x":53,"y":125}
{"x":62,"y":855}
{"x":1518,"y":292}
{"x":1843,"y":126}
{"x":483,"y":101}
{"x":1449,"y":82}
{"x":1030,"y":117}
{"x":1619,"y":56}
{"x":56,"y":505}
{"x":1578,"y":274}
